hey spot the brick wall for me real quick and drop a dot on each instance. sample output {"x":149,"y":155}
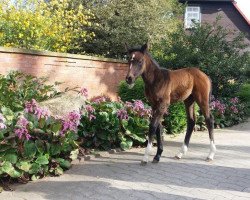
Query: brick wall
{"x":100,"y":76}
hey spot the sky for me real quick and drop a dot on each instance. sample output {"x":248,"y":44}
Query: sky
{"x":244,"y":5}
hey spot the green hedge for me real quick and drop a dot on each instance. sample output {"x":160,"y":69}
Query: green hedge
{"x":137,"y":92}
{"x":244,"y":95}
{"x":174,"y":121}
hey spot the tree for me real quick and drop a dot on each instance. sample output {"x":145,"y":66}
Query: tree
{"x":209,"y":48}
{"x":54,"y":25}
{"x":131,"y":21}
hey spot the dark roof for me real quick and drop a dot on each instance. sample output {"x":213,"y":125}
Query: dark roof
{"x":232,"y":1}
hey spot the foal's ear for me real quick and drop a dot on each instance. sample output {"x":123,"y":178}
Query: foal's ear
{"x":144,"y":47}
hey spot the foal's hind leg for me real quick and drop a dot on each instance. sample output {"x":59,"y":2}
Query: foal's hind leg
{"x":189,"y":105}
{"x":210,"y":126}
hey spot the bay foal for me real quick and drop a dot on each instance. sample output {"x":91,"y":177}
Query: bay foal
{"x":163,"y":87}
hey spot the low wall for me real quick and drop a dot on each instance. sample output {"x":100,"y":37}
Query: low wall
{"x":98,"y":75}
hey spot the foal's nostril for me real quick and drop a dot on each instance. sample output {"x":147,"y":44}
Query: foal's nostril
{"x":128,"y":79}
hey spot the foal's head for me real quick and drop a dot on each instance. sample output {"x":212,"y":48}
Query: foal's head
{"x":136,"y":61}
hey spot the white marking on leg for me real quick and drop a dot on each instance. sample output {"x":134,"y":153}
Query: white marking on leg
{"x":183,"y":151}
{"x":212,"y":150}
{"x":147,"y":152}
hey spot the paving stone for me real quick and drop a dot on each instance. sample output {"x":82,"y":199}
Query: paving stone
{"x":117,"y":175}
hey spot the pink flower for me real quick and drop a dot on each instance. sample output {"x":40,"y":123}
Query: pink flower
{"x":84,"y":92}
{"x":30,"y":106}
{"x":217,"y":105}
{"x":42,"y":113}
{"x":91,"y":117}
{"x":138,"y":105}
{"x":234,"y":100}
{"x":74,"y":117}
{"x":23,"y":122}
{"x":234,"y":109}
{"x":2,"y":126}
{"x":100,"y":99}
{"x":33,"y":108}
{"x":2,"y":121}
{"x":128,"y":104}
{"x":71,"y":122}
{"x":22,"y":130}
{"x":89,"y":109}
{"x":122,"y":114}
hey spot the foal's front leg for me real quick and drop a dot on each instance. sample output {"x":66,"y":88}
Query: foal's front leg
{"x":149,"y":146}
{"x":159,"y":144}
{"x":155,"y":128}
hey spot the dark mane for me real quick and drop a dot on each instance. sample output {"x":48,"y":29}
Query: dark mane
{"x":153,"y":60}
{"x":132,"y":50}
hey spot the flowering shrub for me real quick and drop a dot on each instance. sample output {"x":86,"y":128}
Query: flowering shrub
{"x":106,"y":124}
{"x":227,"y":111}
{"x":19,"y":88}
{"x":34,"y":143}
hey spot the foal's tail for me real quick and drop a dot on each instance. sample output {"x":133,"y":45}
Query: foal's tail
{"x":210,"y":92}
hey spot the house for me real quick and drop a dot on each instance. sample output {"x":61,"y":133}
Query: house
{"x":234,"y":17}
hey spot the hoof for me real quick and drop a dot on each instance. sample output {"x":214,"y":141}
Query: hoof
{"x":208,"y":159}
{"x":144,"y":163}
{"x":177,"y":158}
{"x":155,"y":161}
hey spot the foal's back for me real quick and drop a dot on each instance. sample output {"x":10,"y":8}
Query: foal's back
{"x":188,"y":81}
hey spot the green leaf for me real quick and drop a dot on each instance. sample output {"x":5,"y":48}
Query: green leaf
{"x":40,"y":146}
{"x":34,"y":177}
{"x":126,"y":144}
{"x":35,"y":168}
{"x":104,"y":116}
{"x":64,"y":163}
{"x":29,"y":149}
{"x":24,"y":165}
{"x":58,"y":171}
{"x":56,"y":128}
{"x":11,"y":157}
{"x":55,"y":149}
{"x":10,"y":170}
{"x":8,"y":113}
{"x":42,"y":160}
{"x":4,"y":147}
{"x":1,"y":135}
{"x":42,"y":122}
{"x":137,"y":138}
{"x":72,"y":135}
{"x":102,"y":135}
{"x":74,"y":154}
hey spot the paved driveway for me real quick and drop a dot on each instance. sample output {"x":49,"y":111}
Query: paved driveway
{"x":119,"y":176}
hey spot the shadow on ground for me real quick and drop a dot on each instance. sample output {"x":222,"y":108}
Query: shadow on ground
{"x":96,"y":190}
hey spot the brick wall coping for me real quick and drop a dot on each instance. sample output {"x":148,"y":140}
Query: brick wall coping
{"x":55,"y":54}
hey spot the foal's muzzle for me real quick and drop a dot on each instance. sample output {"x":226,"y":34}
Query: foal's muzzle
{"x":129,"y":80}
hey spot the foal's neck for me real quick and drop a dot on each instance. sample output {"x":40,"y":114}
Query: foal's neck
{"x":152,"y":68}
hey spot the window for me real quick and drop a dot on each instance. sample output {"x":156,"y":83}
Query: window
{"x":192,"y":14}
